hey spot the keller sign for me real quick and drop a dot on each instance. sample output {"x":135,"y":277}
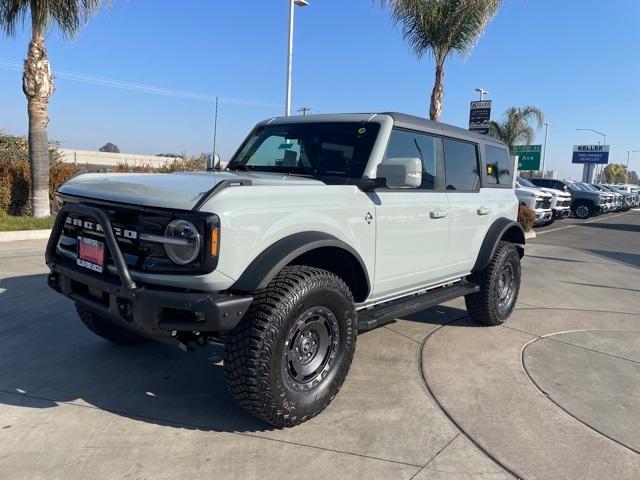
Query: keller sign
{"x":590,"y":154}
{"x":479,"y":116}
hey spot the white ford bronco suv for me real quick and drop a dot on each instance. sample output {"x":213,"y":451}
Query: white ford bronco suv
{"x":321,"y":226}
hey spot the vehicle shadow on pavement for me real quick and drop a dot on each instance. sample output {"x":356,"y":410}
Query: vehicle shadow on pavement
{"x":48,"y":357}
{"x":632,"y":259}
{"x":624,"y":227}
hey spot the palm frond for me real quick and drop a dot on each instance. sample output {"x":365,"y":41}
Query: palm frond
{"x":442,"y":26}
{"x":69,"y":16}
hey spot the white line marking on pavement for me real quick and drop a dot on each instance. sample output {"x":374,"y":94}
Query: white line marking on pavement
{"x":596,"y":220}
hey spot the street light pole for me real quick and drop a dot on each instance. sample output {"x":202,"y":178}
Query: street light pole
{"x":482,"y":92}
{"x":544,"y":152}
{"x":292,"y":4}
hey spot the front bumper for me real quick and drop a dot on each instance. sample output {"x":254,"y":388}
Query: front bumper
{"x":561,"y":212}
{"x":153,"y":311}
{"x":543,"y":216}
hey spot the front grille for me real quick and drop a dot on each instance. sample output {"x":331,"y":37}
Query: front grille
{"x":128,"y":224}
{"x":546,"y":203}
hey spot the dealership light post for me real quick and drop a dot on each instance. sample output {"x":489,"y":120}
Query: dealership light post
{"x":586,"y":173}
{"x":482,"y":92}
{"x":292,"y":5}
{"x":626,"y":173}
{"x":544,"y":152}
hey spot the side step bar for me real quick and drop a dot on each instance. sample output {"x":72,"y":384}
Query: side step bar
{"x":387,"y":312}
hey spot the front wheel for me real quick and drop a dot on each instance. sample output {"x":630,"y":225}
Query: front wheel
{"x":290,"y":354}
{"x":583,"y":210}
{"x":499,"y":287}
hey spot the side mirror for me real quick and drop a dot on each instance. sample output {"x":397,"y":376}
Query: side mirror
{"x":401,"y":172}
{"x":211,"y":162}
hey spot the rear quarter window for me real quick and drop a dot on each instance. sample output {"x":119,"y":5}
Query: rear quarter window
{"x":498,"y":167}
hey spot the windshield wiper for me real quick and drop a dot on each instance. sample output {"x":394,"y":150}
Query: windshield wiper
{"x":240,"y":167}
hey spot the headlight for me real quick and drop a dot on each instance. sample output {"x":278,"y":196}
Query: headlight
{"x":186,"y":247}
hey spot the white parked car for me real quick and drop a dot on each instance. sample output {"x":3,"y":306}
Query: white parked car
{"x":560,"y":203}
{"x":537,"y":199}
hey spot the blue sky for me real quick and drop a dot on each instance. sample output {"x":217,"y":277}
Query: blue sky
{"x":575,"y":60}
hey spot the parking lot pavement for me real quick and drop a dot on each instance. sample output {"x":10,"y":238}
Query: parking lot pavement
{"x":552,"y":394}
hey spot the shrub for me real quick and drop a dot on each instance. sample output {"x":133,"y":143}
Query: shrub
{"x":15,"y":174}
{"x":526,"y":217}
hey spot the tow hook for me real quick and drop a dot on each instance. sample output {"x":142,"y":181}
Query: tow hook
{"x":124,"y":309}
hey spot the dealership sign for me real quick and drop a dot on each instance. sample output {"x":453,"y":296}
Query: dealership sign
{"x":528,"y":156}
{"x":479,"y":116}
{"x":590,"y":154}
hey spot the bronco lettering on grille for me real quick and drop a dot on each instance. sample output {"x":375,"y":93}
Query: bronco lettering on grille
{"x":95,"y":227}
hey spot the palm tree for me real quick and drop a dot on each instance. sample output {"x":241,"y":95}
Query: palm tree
{"x":615,"y":173}
{"x":440,"y":27}
{"x":37,"y":82}
{"x":515,"y":127}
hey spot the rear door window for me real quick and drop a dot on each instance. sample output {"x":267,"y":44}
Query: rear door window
{"x":461,"y":166}
{"x":497,"y":166}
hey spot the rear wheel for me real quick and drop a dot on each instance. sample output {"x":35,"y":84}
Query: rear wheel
{"x":499,"y":287}
{"x":289,"y":356}
{"x":105,"y":328}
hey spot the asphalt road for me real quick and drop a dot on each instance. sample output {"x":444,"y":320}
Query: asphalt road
{"x":554,"y":393}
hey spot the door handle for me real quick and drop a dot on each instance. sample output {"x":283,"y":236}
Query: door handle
{"x":483,"y":211}
{"x":438,"y":213}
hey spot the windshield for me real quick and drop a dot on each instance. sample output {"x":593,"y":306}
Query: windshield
{"x":575,"y":186}
{"x":320,"y":149}
{"x":525,"y":183}
{"x":588,"y":187}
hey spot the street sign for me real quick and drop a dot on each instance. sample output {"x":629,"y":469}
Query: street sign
{"x":479,"y":116}
{"x":590,"y":154}
{"x":528,"y":156}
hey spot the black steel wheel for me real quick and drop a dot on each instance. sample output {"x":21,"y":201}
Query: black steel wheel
{"x":312,"y":343}
{"x":499,"y":287}
{"x":288,"y":357}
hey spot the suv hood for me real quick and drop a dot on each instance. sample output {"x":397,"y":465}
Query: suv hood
{"x":180,"y":191}
{"x":533,"y":191}
{"x":554,"y":192}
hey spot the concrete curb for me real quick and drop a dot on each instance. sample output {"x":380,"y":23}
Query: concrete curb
{"x":24,"y":235}
{"x":529,"y":235}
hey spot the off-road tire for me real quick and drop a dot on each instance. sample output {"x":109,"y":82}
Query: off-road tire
{"x":107,"y":329}
{"x":255,"y":359}
{"x":485,"y":306}
{"x":583,"y":210}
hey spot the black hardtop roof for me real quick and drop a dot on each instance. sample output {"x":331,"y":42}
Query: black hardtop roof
{"x":400,"y":120}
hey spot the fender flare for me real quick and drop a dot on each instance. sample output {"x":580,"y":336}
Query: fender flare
{"x":495,"y":233}
{"x":274,"y":258}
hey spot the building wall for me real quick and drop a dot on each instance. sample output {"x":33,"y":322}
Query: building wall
{"x":104,"y":159}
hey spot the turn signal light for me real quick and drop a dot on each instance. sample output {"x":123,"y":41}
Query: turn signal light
{"x":215,"y":242}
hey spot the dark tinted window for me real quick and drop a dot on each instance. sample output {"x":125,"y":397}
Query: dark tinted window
{"x":404,"y":144}
{"x":461,"y":165}
{"x":497,"y":166}
{"x":318,"y":149}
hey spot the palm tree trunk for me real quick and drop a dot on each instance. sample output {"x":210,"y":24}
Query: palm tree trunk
{"x":37,"y":84}
{"x":435,"y":109}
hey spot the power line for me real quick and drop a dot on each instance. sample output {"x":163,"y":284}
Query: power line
{"x":139,"y":87}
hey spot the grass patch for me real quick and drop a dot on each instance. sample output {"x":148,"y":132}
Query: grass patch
{"x":9,"y":223}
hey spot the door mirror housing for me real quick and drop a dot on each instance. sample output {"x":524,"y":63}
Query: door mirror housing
{"x":401,"y":172}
